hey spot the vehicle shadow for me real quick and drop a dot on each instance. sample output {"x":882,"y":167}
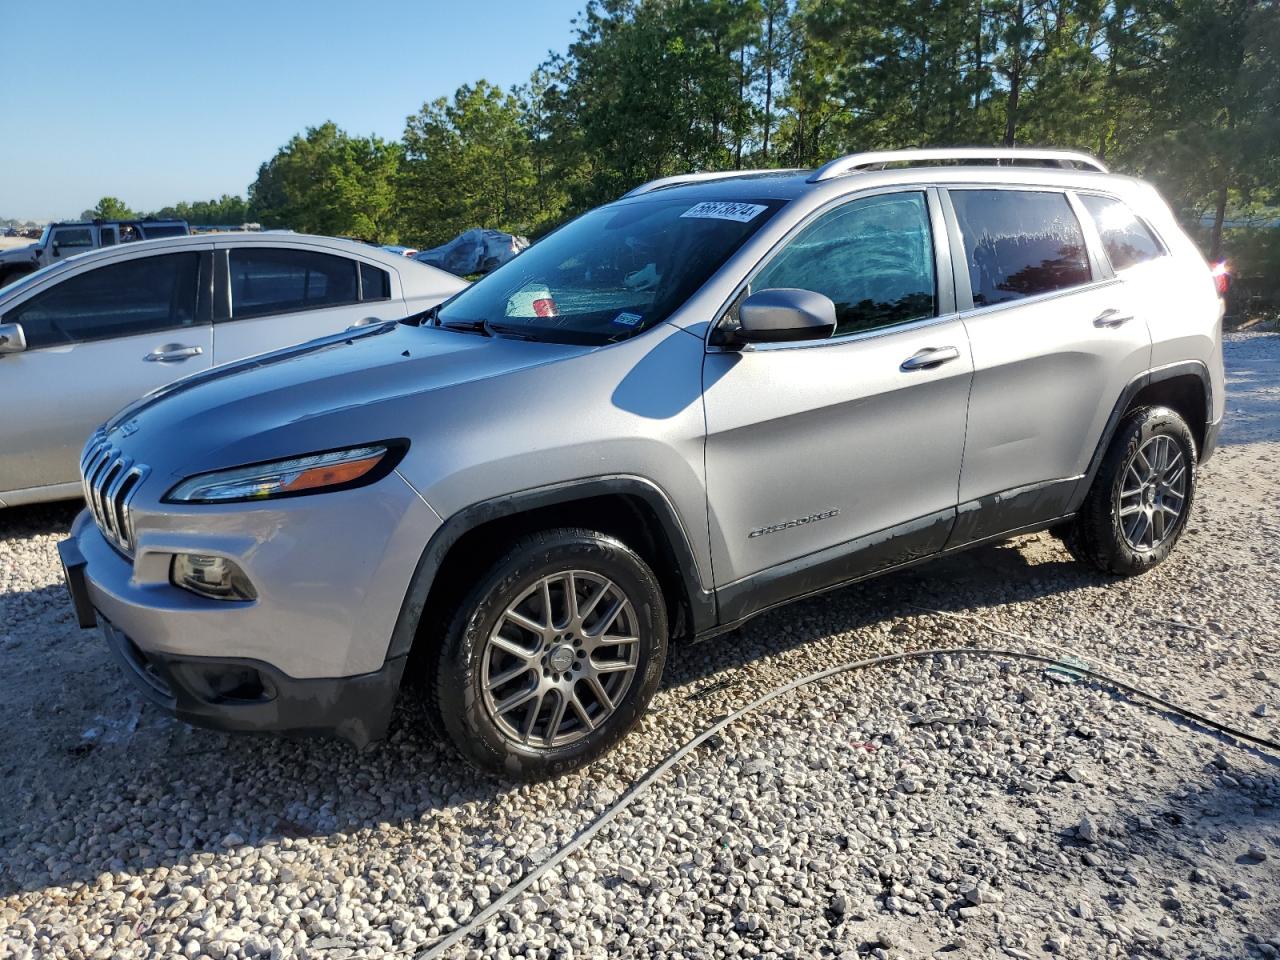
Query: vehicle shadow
{"x":40,"y":519}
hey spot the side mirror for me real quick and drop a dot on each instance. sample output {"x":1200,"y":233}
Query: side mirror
{"x":12,"y":339}
{"x":784,"y":314}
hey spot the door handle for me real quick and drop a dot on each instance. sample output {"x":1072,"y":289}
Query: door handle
{"x":365,"y":322}
{"x":173,"y":352}
{"x":930,"y":357}
{"x":1111,"y":318}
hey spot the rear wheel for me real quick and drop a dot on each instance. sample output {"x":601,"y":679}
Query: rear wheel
{"x":1140,"y":500}
{"x":553,"y":656}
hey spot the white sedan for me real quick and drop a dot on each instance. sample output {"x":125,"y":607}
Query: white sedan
{"x":87,"y":335}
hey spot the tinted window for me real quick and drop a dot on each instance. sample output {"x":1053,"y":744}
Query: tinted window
{"x":1125,"y":238}
{"x":872,"y":257}
{"x":1019,"y":243}
{"x":70,"y":240}
{"x":375,"y":284}
{"x":612,"y":273}
{"x":120,"y":300}
{"x":107,"y":237}
{"x":153,"y":231}
{"x":277,"y":280}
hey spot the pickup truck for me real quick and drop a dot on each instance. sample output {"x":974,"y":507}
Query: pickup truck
{"x":62,"y":240}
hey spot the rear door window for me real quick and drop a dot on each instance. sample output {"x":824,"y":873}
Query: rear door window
{"x":138,"y":296}
{"x":266,"y":280}
{"x":1019,"y":243}
{"x":1126,"y":239}
{"x":873,"y":257}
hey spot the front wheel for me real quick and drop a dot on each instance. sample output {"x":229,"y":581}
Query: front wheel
{"x":1140,"y":500}
{"x":553,"y":656}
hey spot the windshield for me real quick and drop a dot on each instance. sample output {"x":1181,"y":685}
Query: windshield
{"x":610,"y":274}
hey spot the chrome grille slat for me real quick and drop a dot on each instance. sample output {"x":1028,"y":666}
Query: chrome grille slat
{"x":110,"y":479}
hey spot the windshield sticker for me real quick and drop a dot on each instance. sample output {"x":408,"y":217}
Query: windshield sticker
{"x":627,"y":319}
{"x":725,"y":210}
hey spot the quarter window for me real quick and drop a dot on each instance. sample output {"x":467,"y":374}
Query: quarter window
{"x":278,"y":280}
{"x":873,"y":257}
{"x":1125,"y":238}
{"x":1019,"y":243}
{"x":375,"y":284}
{"x":137,"y":296}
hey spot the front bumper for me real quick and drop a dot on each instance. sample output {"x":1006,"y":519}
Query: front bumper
{"x":310,"y":655}
{"x":241,"y":694}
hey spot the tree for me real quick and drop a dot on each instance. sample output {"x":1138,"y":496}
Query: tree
{"x":226,"y":210}
{"x":649,"y":89}
{"x":470,"y":162}
{"x":109,"y":208}
{"x":328,"y":182}
{"x":1217,"y":107}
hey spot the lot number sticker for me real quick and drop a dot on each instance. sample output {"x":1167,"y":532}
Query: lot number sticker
{"x":725,"y":210}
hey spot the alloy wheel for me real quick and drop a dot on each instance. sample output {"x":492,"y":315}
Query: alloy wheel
{"x":1153,"y":493}
{"x":560,"y":659}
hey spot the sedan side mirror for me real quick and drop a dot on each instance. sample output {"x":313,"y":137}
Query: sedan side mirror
{"x":12,"y":338}
{"x":785,"y":314}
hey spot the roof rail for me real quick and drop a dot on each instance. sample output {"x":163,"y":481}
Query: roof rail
{"x":680,"y":178}
{"x":878,"y":159}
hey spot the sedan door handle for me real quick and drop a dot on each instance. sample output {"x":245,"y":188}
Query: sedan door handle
{"x":173,"y":352}
{"x":1111,"y":318}
{"x":930,"y":357}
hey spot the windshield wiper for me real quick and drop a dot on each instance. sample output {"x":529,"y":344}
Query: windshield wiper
{"x":467,"y":326}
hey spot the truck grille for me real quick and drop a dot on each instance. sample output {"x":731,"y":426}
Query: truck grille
{"x":110,"y":479}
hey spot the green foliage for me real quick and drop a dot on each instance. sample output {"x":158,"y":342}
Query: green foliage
{"x":470,"y":162}
{"x":1185,"y":92}
{"x":109,"y":208}
{"x":326,"y":181}
{"x":225,"y":211}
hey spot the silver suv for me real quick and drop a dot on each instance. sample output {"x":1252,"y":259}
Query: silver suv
{"x":715,"y":395}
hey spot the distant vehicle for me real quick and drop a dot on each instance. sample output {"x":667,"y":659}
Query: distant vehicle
{"x":118,"y":323}
{"x":11,"y":232}
{"x":476,"y":251}
{"x":399,"y":250}
{"x":62,"y":240}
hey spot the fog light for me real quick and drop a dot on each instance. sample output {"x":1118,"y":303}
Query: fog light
{"x":215,"y":577}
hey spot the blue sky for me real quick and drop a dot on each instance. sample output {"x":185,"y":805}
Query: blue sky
{"x":156,"y":102}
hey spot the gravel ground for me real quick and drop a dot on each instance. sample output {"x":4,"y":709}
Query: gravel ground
{"x":958,"y":806}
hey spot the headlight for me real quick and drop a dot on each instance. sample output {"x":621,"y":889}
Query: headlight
{"x":313,"y":473}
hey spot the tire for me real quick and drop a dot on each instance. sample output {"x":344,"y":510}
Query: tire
{"x":1150,"y":445}
{"x":501,"y":630}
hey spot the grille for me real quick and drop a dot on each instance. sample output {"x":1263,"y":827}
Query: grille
{"x":110,"y":479}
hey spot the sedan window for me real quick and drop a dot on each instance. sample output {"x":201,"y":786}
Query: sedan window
{"x":266,"y":280}
{"x":137,"y":296}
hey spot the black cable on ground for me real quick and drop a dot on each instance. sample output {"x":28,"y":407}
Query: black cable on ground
{"x":583,"y":836}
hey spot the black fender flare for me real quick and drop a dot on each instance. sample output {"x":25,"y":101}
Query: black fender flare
{"x":1182,"y":368}
{"x":702,"y":603}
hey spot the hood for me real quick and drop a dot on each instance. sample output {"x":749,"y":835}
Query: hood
{"x":352,"y":388}
{"x":19,"y":254}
